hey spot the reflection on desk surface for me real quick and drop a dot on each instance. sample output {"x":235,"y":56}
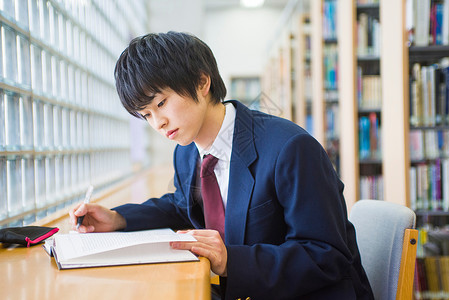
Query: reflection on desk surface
{"x":29,"y":273}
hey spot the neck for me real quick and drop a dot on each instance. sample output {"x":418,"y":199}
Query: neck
{"x":212,"y":124}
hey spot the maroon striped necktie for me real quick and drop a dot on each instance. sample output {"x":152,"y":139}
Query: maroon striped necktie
{"x":214,"y":214}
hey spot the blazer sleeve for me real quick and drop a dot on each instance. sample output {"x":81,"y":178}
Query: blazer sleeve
{"x":170,"y":210}
{"x":315,"y":253}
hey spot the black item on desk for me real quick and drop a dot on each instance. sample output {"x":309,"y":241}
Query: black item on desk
{"x":27,"y":235}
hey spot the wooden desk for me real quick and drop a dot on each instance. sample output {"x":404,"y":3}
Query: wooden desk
{"x":29,"y":273}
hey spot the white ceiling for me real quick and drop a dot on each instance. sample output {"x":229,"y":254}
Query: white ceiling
{"x":214,"y":4}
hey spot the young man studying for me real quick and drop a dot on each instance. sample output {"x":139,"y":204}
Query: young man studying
{"x":258,"y":192}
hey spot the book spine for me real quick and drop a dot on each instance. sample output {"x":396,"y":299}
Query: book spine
{"x":362,"y":34}
{"x":410,"y":23}
{"x":371,"y":187}
{"x":445,"y":25}
{"x":432,"y":95}
{"x":376,"y":37}
{"x":445,"y":91}
{"x":416,"y":144}
{"x":445,"y":175}
{"x":374,"y":135}
{"x":439,"y":24}
{"x":444,"y":263}
{"x":439,"y":96}
{"x":417,"y":118}
{"x":413,"y":196}
{"x":432,"y":24}
{"x":364,"y":137}
{"x":438,"y":191}
{"x":422,"y":23}
{"x":425,"y":96}
{"x":359,"y":87}
{"x":420,"y":285}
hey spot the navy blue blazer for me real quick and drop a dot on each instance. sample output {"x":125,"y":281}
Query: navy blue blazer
{"x":286,"y":227}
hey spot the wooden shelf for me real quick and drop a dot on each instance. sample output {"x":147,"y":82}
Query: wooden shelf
{"x":330,"y":41}
{"x":425,"y":213}
{"x":372,"y":7}
{"x":366,"y":110}
{"x":370,"y":161}
{"x":436,"y":127}
{"x":368,"y":58}
{"x":428,"y":53}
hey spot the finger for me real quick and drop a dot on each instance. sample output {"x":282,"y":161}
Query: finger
{"x":204,"y":232}
{"x":214,"y":239}
{"x":182,"y":245}
{"x":86,"y":229}
{"x":72,"y":218}
{"x":191,"y":245}
{"x":201,"y":251}
{"x":217,"y":259}
{"x":82,"y":229}
{"x":205,"y":242}
{"x":81,"y":210}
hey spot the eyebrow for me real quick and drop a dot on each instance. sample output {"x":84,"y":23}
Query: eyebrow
{"x":146,"y":100}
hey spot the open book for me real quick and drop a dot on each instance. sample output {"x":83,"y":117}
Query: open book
{"x":82,"y":250}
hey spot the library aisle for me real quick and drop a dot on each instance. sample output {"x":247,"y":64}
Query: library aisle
{"x":379,"y":104}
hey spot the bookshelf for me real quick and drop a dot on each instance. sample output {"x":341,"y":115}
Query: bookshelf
{"x":287,"y":85}
{"x":369,"y":99}
{"x":331,"y":96}
{"x":246,"y":89}
{"x":415,"y":174}
{"x":307,"y":89}
{"x":413,"y":149}
{"x":276,"y":96}
{"x":360,"y":99}
{"x":288,"y":66}
{"x":301,"y":75}
{"x":317,"y":70}
{"x":301,"y":78}
{"x":324,"y":70}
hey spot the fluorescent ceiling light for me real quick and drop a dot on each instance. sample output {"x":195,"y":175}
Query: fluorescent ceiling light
{"x":251,"y":3}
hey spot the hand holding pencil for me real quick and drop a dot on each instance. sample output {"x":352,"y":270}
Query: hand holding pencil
{"x":90,"y":189}
{"x":92,"y":217}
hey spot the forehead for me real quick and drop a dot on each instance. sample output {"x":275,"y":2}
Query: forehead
{"x":159,"y":93}
{"x":152,"y":98}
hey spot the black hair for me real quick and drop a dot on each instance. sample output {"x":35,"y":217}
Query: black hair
{"x":172,"y":60}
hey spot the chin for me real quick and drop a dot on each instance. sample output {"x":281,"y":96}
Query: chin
{"x":183,"y":143}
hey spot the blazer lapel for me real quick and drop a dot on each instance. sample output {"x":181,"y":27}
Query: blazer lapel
{"x":241,"y":181}
{"x":194,"y":209}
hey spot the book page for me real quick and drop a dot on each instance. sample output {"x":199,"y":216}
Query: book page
{"x":69,"y":246}
{"x":137,"y":254}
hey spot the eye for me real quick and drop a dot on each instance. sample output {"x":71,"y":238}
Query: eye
{"x":146,"y":116}
{"x":160,"y":104}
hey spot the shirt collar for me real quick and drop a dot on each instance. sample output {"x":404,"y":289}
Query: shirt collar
{"x":221,"y":148}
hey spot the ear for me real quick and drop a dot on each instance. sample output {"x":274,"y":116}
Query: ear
{"x":204,"y":86}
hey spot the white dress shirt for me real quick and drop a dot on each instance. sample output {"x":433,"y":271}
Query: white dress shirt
{"x":221,"y":148}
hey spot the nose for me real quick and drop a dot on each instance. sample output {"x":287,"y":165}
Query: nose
{"x":159,"y":121}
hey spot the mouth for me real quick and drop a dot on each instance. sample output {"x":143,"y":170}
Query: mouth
{"x":171,"y":133}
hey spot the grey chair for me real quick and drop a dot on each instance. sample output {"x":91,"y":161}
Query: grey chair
{"x":387,"y":242}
